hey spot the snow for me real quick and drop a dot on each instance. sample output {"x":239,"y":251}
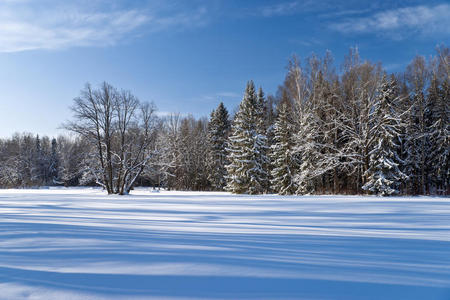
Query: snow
{"x":82,"y":244}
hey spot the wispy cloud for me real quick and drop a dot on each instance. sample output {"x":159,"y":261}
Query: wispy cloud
{"x":27,"y":26}
{"x":293,"y":7}
{"x":279,"y":9}
{"x":397,"y":23}
{"x":184,"y":19}
{"x":344,"y":13}
{"x":326,"y":8}
{"x":77,"y":30}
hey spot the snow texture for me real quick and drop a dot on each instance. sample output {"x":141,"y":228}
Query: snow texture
{"x":82,"y":244}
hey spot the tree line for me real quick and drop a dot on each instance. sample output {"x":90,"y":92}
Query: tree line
{"x":349,"y":131}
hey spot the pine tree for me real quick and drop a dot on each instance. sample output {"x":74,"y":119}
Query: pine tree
{"x":384,"y":176}
{"x":284,"y":163}
{"x":218,"y":131}
{"x":245,"y":171}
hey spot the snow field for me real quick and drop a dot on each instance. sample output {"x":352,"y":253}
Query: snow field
{"x":83,"y":244}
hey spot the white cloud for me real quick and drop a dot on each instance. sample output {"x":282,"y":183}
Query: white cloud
{"x":279,"y":9}
{"x":326,"y":7}
{"x":421,"y":19}
{"x":91,"y":29}
{"x":27,"y":26}
{"x":195,"y":18}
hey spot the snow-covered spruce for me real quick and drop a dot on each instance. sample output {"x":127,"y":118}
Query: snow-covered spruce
{"x":218,"y":131}
{"x":438,"y":130}
{"x":262,"y":139}
{"x":384,"y":176}
{"x":247,"y":148}
{"x":283,"y":160}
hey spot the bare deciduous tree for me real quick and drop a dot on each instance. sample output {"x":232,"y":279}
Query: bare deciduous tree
{"x":120,"y":128}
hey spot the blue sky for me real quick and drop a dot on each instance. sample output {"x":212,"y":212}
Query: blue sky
{"x":187,"y":56}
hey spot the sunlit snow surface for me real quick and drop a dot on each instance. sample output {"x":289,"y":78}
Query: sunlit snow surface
{"x":83,"y":244}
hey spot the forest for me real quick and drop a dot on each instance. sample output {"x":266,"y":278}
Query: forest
{"x":348,"y":129}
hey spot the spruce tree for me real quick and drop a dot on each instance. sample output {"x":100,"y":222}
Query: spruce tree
{"x":262,"y":140}
{"x":384,"y":176}
{"x":438,"y":127}
{"x":37,"y":170}
{"x":54,"y":162}
{"x":246,"y":173}
{"x":284,"y":163}
{"x":218,"y":131}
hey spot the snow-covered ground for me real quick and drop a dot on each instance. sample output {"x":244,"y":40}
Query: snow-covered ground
{"x":83,"y":244}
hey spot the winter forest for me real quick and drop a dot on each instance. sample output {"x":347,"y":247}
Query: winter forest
{"x":347,"y":129}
